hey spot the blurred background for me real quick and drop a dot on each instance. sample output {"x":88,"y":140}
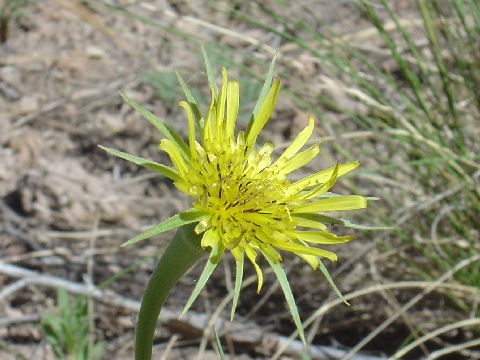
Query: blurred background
{"x":394,"y":84}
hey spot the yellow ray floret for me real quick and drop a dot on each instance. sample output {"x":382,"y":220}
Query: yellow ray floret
{"x":264,"y":113}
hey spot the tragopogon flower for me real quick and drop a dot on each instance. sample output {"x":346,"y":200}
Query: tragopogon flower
{"x":248,"y":203}
{"x":243,"y":200}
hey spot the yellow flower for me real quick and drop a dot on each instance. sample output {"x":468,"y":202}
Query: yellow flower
{"x":244,"y":201}
{"x":249,"y":205}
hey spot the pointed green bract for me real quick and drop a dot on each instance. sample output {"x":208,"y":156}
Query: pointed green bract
{"x":191,"y":100}
{"x":162,"y":169}
{"x":160,"y":125}
{"x":238,"y":284}
{"x":186,"y":217}
{"x":347,"y":223}
{"x":217,"y":251}
{"x":210,"y":76}
{"x":264,"y":91}
{"x":287,"y":291}
{"x":325,"y":273}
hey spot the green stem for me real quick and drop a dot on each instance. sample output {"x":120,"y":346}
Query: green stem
{"x":183,"y":251}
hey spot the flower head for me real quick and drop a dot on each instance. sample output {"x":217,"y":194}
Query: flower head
{"x":248,"y":203}
{"x":243,"y":199}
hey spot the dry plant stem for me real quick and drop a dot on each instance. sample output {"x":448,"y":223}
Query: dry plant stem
{"x":410,"y":303}
{"x":29,"y":277}
{"x":198,"y":320}
{"x":392,"y":301}
{"x":208,"y":329}
{"x":454,"y":348}
{"x":427,"y":287}
{"x":183,"y":251}
{"x":170,"y":344}
{"x":435,"y":333}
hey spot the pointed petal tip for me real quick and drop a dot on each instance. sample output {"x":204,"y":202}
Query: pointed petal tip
{"x":259,"y":286}
{"x":364,"y":202}
{"x":311,"y":120}
{"x":276,"y":85}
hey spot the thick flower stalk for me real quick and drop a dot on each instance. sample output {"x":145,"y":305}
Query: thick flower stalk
{"x":243,"y":201}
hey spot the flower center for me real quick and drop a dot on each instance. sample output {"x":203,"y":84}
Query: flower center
{"x":243,"y":195}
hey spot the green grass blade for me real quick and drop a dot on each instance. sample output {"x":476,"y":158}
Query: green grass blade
{"x":282,"y":278}
{"x":437,"y":54}
{"x":186,"y":217}
{"x":412,"y":79}
{"x":215,"y":254}
{"x":162,"y":169}
{"x":419,"y":57}
{"x":442,"y":69}
{"x":119,"y":274}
